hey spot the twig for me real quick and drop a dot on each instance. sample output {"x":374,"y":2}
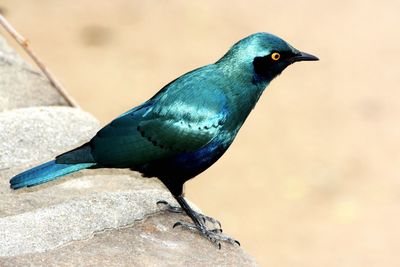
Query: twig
{"x":24,"y":43}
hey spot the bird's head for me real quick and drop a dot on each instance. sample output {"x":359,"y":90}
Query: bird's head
{"x":264,"y":55}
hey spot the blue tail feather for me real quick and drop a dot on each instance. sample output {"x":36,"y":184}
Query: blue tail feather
{"x":44,"y":173}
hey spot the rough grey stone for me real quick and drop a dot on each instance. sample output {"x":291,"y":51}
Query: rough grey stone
{"x":151,"y":242}
{"x":50,"y":216}
{"x":21,"y":85}
{"x":99,"y":218}
{"x":30,"y":135}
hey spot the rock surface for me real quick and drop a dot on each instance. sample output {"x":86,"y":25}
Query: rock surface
{"x":98,"y":218}
{"x":73,"y":208}
{"x":28,"y":135}
{"x":91,"y":218}
{"x":151,"y":242}
{"x":21,"y":85}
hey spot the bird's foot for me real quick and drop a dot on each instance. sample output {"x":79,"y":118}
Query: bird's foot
{"x":214,"y":235}
{"x":176,"y":209}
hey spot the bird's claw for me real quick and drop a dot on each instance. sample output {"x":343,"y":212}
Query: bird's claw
{"x":206,"y":218}
{"x":176,"y":209}
{"x":214,"y":235}
{"x":185,"y":224}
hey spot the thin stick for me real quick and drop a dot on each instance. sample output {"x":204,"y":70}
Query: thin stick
{"x":24,"y":43}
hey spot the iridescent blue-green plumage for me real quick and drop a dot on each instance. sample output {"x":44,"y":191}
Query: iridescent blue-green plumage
{"x":187,"y":125}
{"x":45,"y":173}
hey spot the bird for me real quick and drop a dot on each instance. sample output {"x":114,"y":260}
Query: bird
{"x":184,"y":128}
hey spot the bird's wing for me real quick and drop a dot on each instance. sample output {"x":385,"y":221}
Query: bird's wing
{"x":183,"y":118}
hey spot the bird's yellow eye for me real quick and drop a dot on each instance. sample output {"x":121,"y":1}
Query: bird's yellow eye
{"x":275,"y":56}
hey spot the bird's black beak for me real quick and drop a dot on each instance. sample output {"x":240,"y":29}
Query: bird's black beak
{"x":302,"y":56}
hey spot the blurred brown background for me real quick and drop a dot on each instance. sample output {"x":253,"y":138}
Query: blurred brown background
{"x":313,"y":177}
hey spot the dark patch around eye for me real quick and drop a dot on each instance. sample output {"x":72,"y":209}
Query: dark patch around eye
{"x":266,"y":68}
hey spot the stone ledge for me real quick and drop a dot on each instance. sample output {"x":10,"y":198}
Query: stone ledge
{"x":30,"y":135}
{"x":151,"y":242}
{"x":77,"y":219}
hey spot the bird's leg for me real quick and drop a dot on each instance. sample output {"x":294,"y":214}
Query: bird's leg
{"x":176,"y":209}
{"x":214,"y":235}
